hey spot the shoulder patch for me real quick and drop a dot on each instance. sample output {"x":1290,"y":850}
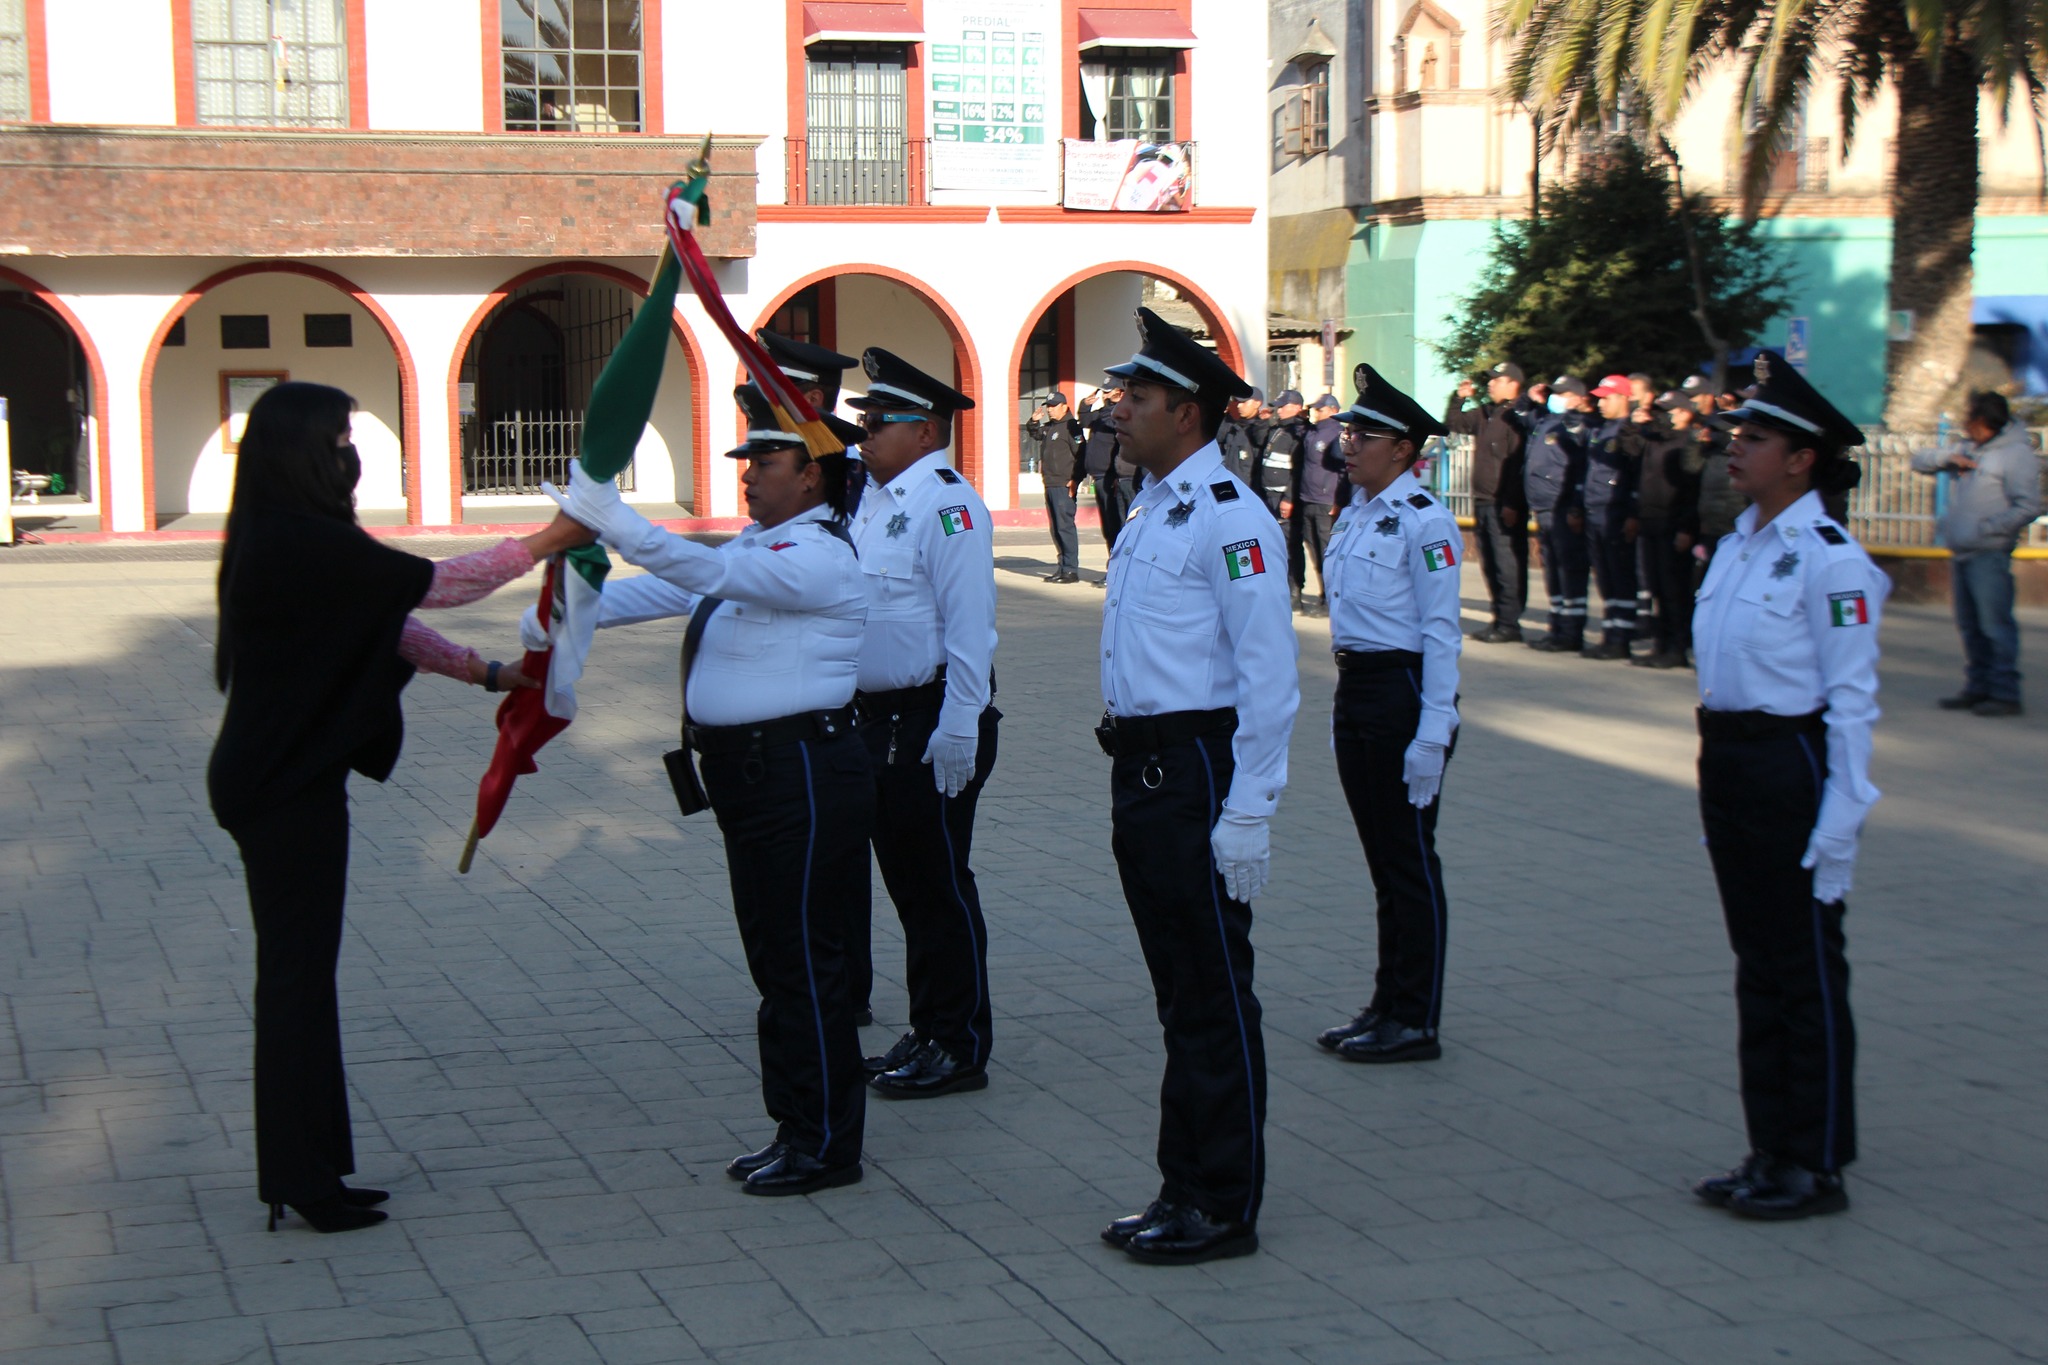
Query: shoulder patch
{"x":1421,"y":500}
{"x":954,"y":520}
{"x":1828,"y":533}
{"x":946,"y":475}
{"x":1223,"y":491}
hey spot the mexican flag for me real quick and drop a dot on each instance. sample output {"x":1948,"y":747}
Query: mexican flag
{"x":955,"y":520}
{"x":1244,"y":559}
{"x":1849,"y":608}
{"x":1439,"y":555}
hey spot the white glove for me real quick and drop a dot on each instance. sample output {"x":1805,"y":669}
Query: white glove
{"x":1833,"y":860}
{"x":952,"y":760}
{"x":1244,"y":853}
{"x":597,"y":506}
{"x":532,"y":634}
{"x":1422,"y":768}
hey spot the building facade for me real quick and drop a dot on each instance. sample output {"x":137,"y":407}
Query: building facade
{"x":1383,"y":208}
{"x":451,"y":210}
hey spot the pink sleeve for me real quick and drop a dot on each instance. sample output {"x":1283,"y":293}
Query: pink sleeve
{"x":472,"y":577}
{"x":431,"y":652}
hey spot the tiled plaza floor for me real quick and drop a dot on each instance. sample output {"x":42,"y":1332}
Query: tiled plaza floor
{"x":552,"y":1057}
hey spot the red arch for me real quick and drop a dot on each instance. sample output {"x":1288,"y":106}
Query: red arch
{"x":408,"y":378}
{"x":700,"y":412}
{"x":102,"y":463}
{"x":969,"y":364}
{"x":1228,"y":348}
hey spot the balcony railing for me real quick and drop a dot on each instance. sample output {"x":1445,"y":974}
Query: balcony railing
{"x":840,"y":167}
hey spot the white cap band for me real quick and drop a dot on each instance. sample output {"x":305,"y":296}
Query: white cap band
{"x":1147,"y":362}
{"x":1773,"y":410}
{"x":905,"y":394}
{"x":1360,"y":410}
{"x":775,"y":436}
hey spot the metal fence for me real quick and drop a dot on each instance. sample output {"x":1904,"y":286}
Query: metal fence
{"x":1892,"y":508}
{"x":847,"y":166}
{"x":513,"y":454}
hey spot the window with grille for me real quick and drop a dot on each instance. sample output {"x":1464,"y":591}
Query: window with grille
{"x":571,"y":66}
{"x":1138,"y":93}
{"x":798,"y":319}
{"x":856,"y":140}
{"x":271,"y":63}
{"x":13,"y":61}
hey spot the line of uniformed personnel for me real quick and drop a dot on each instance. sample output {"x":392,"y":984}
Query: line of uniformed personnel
{"x":837,"y":689}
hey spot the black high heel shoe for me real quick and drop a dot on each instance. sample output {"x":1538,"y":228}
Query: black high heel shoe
{"x":330,"y":1215}
{"x":362,"y":1197}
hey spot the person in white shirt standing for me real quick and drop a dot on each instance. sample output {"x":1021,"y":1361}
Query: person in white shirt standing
{"x":1785,"y":634}
{"x":1393,"y":566}
{"x":927,"y":555}
{"x":1200,"y":684}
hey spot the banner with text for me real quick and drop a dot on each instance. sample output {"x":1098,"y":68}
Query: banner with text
{"x":992,"y":90}
{"x":1128,"y":176}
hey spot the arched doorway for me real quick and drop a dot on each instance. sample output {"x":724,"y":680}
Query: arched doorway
{"x":853,"y":307}
{"x":239,"y":332}
{"x":47,"y":384}
{"x":521,"y":385}
{"x":1083,"y":325}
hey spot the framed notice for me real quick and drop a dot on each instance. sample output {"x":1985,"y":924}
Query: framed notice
{"x":239,"y":390}
{"x":1128,"y":176}
{"x":992,"y":81}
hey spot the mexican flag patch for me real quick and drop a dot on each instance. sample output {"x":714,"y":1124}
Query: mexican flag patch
{"x":1438,"y":554}
{"x":955,"y":520}
{"x":1244,"y":559}
{"x":1848,"y":609}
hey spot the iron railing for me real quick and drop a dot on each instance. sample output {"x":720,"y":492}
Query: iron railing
{"x":847,"y":166}
{"x":512,"y":455}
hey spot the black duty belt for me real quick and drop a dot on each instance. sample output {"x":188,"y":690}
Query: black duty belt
{"x":1758,"y":724}
{"x":1376,"y":660}
{"x":1122,"y":736}
{"x":767,"y":734}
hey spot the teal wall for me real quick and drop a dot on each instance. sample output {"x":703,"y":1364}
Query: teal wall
{"x":1403,"y":280}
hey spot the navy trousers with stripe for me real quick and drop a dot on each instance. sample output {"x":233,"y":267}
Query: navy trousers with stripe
{"x":1197,"y":946}
{"x":796,"y":820}
{"x":1759,"y":799}
{"x":1374,"y":722}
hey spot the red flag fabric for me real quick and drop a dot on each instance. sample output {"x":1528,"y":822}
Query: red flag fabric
{"x":524,"y":725}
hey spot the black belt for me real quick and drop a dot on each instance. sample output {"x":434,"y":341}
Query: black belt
{"x":1375,"y":660}
{"x":766,"y":734}
{"x":1758,"y":724}
{"x":1122,"y":736}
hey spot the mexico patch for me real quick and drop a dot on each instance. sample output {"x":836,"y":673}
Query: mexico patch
{"x":1438,"y":554}
{"x":783,"y":545}
{"x":1244,"y":559}
{"x":1848,"y":609}
{"x":955,"y":520}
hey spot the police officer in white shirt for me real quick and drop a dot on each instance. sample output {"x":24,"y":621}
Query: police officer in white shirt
{"x":1786,"y":638}
{"x":1393,"y":566}
{"x":771,"y":656}
{"x":1199,"y":676}
{"x":928,"y":555}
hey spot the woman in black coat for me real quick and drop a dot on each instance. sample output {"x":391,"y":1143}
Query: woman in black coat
{"x":315,"y":643}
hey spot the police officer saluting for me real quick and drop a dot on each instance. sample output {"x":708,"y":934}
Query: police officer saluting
{"x":928,"y":556}
{"x":769,"y":661}
{"x":1786,"y":637}
{"x":1198,"y":673}
{"x":1393,"y":567}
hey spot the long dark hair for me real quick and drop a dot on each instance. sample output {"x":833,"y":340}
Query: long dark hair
{"x":288,"y":461}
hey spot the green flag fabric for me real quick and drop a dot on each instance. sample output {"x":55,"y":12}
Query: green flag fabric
{"x":623,"y":397}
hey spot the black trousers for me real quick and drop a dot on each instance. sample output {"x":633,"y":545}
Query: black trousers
{"x":1503,"y":559}
{"x":1667,"y":577}
{"x":1059,"y":518}
{"x":1614,"y":569}
{"x":922,"y":842}
{"x":1564,"y":576}
{"x":1308,"y":535}
{"x":1374,"y":722}
{"x":1759,"y":799}
{"x":295,"y":856}
{"x":796,"y":820}
{"x":1112,"y":500}
{"x":1197,"y":945}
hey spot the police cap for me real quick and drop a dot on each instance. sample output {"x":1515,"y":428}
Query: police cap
{"x":896,"y":385}
{"x":1783,"y":399}
{"x":1167,"y":355}
{"x":1383,"y":408}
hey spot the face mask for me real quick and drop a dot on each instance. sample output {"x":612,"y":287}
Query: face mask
{"x":1555,"y":403}
{"x":351,"y":466}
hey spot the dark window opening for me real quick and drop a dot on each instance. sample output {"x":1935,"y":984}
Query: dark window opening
{"x":798,"y":319}
{"x":176,"y":336}
{"x":1037,"y":377}
{"x":245,"y":331}
{"x":330,"y":329}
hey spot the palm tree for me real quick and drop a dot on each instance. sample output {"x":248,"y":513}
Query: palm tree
{"x":1580,"y":60}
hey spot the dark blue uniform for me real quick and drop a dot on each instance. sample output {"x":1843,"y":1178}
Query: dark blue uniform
{"x":1554,"y":475}
{"x":1614,"y":465}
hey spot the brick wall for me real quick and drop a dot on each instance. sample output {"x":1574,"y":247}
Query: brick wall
{"x":145,"y":192}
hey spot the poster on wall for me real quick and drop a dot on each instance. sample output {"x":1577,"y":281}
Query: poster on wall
{"x":1128,"y":176}
{"x":991,"y":88}
{"x":239,"y":390}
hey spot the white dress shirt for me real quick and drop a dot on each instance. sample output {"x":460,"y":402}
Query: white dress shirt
{"x":1181,"y":633}
{"x":927,"y":553}
{"x":1392,"y":571}
{"x":787,"y":637}
{"x":1787,"y":623}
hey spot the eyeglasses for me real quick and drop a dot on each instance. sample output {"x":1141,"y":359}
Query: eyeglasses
{"x":872,"y":420}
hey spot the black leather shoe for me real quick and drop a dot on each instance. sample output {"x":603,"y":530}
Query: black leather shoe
{"x":1996,"y":706}
{"x":1551,"y":644}
{"x":1188,"y":1236}
{"x":932,"y":1072}
{"x":1719,"y":1189}
{"x":1119,"y":1233}
{"x":908,"y":1046}
{"x":1615,"y":649}
{"x":744,"y":1165}
{"x":1962,"y":701}
{"x":863,"y":1017}
{"x":1063,"y":578}
{"x":797,"y":1172}
{"x":1391,"y":1041}
{"x":1365,"y":1021}
{"x":363,"y":1197}
{"x":1787,"y":1191}
{"x":330,"y":1215}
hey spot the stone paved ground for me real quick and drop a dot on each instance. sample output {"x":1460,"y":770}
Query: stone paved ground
{"x":552,"y":1056}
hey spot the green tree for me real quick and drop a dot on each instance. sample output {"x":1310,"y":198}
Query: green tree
{"x":1605,"y":280}
{"x":1582,"y":61}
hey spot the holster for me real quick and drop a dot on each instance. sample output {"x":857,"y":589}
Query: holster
{"x":682,"y":775}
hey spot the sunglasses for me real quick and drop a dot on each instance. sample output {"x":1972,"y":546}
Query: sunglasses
{"x":873,"y":420}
